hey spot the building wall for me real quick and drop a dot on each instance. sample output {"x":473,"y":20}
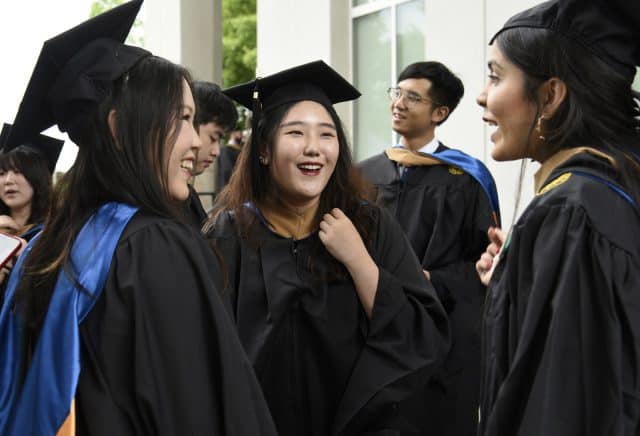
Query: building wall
{"x":189,"y":32}
{"x":291,"y":32}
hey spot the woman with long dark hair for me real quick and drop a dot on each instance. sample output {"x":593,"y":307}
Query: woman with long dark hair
{"x":25,"y":184}
{"x":114,"y":304}
{"x":561,"y":347}
{"x":329,"y":300}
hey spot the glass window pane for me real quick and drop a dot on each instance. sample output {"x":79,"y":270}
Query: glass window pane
{"x":372,"y":75}
{"x":410,"y":24}
{"x":361,"y":2}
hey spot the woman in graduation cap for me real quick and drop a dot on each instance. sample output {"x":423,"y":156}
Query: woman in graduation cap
{"x":114,"y":304}
{"x":329,"y":300}
{"x":25,"y":184}
{"x":561,"y":347}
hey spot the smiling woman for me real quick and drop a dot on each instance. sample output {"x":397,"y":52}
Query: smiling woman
{"x":323,"y":286}
{"x":113,"y":320}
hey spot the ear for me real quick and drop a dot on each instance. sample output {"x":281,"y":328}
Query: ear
{"x":552,"y":93}
{"x":111,"y":120}
{"x":439,"y":114}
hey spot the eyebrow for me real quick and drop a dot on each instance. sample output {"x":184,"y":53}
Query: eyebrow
{"x":494,"y":65}
{"x":298,"y":123}
{"x":190,"y":108}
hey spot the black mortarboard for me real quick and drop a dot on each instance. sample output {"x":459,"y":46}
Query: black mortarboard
{"x":49,"y":148}
{"x":609,"y":29}
{"x":315,"y":81}
{"x":74,"y":71}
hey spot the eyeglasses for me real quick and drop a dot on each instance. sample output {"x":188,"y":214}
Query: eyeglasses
{"x":411,"y":97}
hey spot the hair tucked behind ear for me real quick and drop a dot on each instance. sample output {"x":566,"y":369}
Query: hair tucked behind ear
{"x":599,"y":110}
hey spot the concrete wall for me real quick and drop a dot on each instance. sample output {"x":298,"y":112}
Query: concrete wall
{"x":189,"y":32}
{"x":296,"y":31}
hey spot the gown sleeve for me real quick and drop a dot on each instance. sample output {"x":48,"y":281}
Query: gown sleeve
{"x":564,"y":331}
{"x":407,"y":337}
{"x":162,"y":349}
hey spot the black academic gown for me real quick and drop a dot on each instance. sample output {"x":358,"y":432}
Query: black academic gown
{"x":445,"y":214}
{"x":159,"y":353}
{"x":324,"y":367}
{"x":561,"y":336}
{"x":196,"y":214}
{"x":226,"y":162}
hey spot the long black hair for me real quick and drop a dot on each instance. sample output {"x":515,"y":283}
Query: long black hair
{"x":252,"y":182}
{"x":599,"y":109}
{"x":33,"y":166}
{"x":128,"y":166}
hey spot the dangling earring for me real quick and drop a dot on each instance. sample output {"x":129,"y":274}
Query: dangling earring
{"x":541,"y":137}
{"x":262,"y":160}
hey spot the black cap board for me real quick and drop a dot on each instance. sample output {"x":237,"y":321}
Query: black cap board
{"x":609,"y":29}
{"x":46,"y":146}
{"x":73,"y":72}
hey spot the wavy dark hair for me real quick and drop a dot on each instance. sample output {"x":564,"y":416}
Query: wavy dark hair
{"x":599,"y":109}
{"x":33,"y":166}
{"x":252,"y":182}
{"x":128,"y":167}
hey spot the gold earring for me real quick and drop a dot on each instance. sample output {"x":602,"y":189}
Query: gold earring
{"x":539,"y":128}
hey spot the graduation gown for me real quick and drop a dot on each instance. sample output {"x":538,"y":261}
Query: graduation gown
{"x":226,"y":162}
{"x":445,"y":214}
{"x":159,"y":353}
{"x":561,"y":336}
{"x":194,"y":211}
{"x":325,"y":368}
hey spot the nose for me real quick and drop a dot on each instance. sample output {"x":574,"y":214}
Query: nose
{"x":8,"y":177}
{"x":311,"y":146}
{"x":196,"y":141}
{"x":215,"y":150}
{"x":481,"y":99}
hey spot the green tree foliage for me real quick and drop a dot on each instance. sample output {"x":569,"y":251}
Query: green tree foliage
{"x":238,"y":41}
{"x":100,"y":6}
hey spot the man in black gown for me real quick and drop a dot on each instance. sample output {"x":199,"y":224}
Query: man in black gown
{"x":445,"y":201}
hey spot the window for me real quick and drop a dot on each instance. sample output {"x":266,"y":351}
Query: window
{"x":387,"y":36}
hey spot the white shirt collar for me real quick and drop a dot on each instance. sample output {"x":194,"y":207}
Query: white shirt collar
{"x":429,"y":148}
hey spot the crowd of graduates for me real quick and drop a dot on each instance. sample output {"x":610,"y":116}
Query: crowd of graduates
{"x":322,"y":296}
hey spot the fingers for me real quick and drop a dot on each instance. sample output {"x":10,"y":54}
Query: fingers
{"x":496,"y":236}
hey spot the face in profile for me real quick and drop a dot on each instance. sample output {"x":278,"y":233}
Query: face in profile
{"x":15,"y":190}
{"x":304,"y":154}
{"x":182,"y":159}
{"x":211,"y":135}
{"x":508,"y":108}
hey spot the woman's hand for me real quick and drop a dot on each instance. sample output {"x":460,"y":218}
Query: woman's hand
{"x":342,"y":241}
{"x":485,"y":265}
{"x":8,"y":225}
{"x":340,"y":237}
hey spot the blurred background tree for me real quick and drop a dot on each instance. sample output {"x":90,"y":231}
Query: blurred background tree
{"x":238,"y":41}
{"x":135,"y":36}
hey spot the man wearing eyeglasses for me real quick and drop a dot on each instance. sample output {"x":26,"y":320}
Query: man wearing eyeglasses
{"x":445,"y":201}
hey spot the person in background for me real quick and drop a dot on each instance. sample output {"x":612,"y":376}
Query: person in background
{"x":25,"y":183}
{"x":445,"y":201}
{"x":112,"y":322}
{"x":216,"y":115}
{"x":329,"y":300}
{"x":561,"y":334}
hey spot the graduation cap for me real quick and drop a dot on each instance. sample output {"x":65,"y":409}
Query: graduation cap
{"x":315,"y":81}
{"x":49,"y":148}
{"x":608,"y":29}
{"x":74,"y":72}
